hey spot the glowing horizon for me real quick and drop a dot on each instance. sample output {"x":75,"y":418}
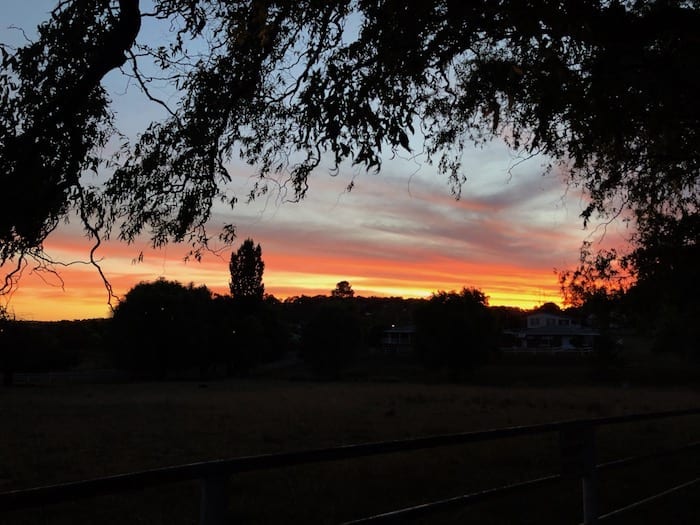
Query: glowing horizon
{"x":49,"y":302}
{"x":77,"y":292}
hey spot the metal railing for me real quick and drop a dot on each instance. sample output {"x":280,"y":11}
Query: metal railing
{"x":577,"y":453}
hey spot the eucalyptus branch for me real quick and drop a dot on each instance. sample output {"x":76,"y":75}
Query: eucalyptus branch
{"x":144,"y":87}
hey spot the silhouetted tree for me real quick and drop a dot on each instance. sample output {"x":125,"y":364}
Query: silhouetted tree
{"x":277,"y":331}
{"x":549,"y":308}
{"x":331,"y":338}
{"x":661,"y":300}
{"x":601,"y":87}
{"x":455,"y":330}
{"x":245,"y":334}
{"x":602,"y":273}
{"x":648,"y":287}
{"x":508,"y":320}
{"x":247,"y":269}
{"x":7,"y":346}
{"x":343,"y":290}
{"x":163,"y":327}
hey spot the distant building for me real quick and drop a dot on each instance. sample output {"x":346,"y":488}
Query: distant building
{"x":398,"y":340}
{"x":549,"y":332}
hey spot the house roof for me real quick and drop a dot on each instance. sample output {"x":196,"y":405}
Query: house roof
{"x":560,"y":330}
{"x":407,"y":329}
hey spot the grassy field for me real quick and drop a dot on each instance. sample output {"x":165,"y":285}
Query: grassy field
{"x":53,"y":434}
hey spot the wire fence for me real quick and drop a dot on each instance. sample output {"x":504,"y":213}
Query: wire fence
{"x":577,"y":458}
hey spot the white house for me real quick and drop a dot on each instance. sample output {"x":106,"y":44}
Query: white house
{"x":554,"y":333}
{"x":398,"y":340}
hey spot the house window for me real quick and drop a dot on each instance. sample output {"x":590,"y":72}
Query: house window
{"x":550,"y":322}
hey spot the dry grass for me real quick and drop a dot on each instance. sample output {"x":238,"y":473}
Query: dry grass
{"x":64,"y":433}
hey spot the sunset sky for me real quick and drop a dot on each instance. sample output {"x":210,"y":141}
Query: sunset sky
{"x":397,"y":233}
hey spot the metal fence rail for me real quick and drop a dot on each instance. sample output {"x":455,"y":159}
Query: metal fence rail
{"x":400,"y":515}
{"x":577,"y":451}
{"x":650,"y":499}
{"x":416,"y":511}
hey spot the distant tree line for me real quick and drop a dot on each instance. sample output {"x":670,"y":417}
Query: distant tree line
{"x":33,"y":346}
{"x":166,"y":329}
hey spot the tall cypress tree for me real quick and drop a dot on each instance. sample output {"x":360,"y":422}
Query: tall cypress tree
{"x":247,"y":268}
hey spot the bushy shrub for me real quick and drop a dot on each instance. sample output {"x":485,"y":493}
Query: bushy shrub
{"x":331,"y":338}
{"x":162,"y":326}
{"x":455,"y":330}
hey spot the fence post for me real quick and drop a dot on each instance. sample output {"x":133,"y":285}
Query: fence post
{"x":578,"y":460}
{"x":214,"y":503}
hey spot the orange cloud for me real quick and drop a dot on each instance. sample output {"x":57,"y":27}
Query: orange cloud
{"x":80,"y":293}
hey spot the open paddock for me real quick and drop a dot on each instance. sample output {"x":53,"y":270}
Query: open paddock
{"x":54,"y":434}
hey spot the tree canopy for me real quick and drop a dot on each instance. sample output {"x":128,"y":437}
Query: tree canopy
{"x":343,"y":290}
{"x":455,"y":329}
{"x":247,"y":269}
{"x":163,"y":325}
{"x":606,"y":89}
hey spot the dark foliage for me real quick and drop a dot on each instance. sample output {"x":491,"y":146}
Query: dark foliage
{"x":648,"y":288}
{"x":7,"y":342}
{"x":55,"y":118}
{"x":253,"y":332}
{"x":31,"y":346}
{"x":163,"y":327}
{"x":332,"y":337}
{"x":549,"y":308}
{"x":455,"y":331}
{"x":247,"y":269}
{"x":508,"y":317}
{"x":343,"y":290}
{"x":668,"y":265}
